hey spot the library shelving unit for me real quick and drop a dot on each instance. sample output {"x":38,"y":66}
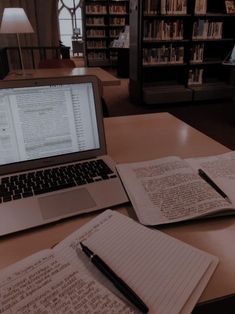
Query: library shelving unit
{"x":213,"y":36}
{"x":177,"y":48}
{"x":103,"y":20}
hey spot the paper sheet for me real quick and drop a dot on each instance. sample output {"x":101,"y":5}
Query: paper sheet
{"x":163,"y":271}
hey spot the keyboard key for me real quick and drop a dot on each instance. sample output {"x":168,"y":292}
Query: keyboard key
{"x":6,"y":198}
{"x":27,"y":194}
{"x":16,"y":196}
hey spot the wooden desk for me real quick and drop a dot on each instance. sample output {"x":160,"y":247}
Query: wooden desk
{"x":142,"y":137}
{"x":105,"y":78}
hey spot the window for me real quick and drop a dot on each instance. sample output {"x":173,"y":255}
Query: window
{"x":70,"y":20}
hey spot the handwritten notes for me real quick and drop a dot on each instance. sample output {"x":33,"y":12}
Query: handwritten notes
{"x":46,"y":283}
{"x":163,"y":271}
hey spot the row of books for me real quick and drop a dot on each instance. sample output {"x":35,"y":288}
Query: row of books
{"x":230,"y":6}
{"x":101,"y":22}
{"x":117,"y":9}
{"x":95,"y":33}
{"x":174,"y":7}
{"x":163,"y":55}
{"x":120,"y":21}
{"x":96,"y":9}
{"x":96,"y":44}
{"x":195,"y":76}
{"x":101,"y":33}
{"x":197,"y":53}
{"x":205,"y":29}
{"x":114,"y":32}
{"x":200,"y":7}
{"x":102,"y":9}
{"x":165,"y":7}
{"x":95,"y":21}
{"x":96,"y":56}
{"x":163,"y":30}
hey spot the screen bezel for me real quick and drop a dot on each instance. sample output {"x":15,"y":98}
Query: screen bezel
{"x":66,"y":158}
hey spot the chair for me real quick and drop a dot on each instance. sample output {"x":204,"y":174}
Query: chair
{"x":56,"y":63}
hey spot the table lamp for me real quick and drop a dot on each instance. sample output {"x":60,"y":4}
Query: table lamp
{"x":15,"y":21}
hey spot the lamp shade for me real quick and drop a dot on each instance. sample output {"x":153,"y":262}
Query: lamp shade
{"x":14,"y":21}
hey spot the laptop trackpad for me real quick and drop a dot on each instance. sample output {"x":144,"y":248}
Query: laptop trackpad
{"x":65,"y":203}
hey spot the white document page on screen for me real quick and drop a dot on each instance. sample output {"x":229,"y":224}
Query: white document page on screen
{"x":44,"y":122}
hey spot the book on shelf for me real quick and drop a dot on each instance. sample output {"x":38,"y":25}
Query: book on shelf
{"x":170,"y":189}
{"x":95,"y":33}
{"x":195,"y":77}
{"x":173,"y":7}
{"x":117,"y":21}
{"x":96,"y":9}
{"x":230,"y":6}
{"x":97,"y":56}
{"x":162,"y":30}
{"x":117,"y":9}
{"x":96,"y":44}
{"x":167,"y":274}
{"x":152,"y":7}
{"x":163,"y":55}
{"x":93,"y":21}
{"x":205,"y":29}
{"x":200,"y":7}
{"x":197,"y":53}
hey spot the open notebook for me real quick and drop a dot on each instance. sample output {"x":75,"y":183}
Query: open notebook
{"x":167,"y":274}
{"x":53,"y":161}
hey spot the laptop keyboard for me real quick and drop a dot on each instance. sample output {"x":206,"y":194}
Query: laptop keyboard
{"x":54,"y":179}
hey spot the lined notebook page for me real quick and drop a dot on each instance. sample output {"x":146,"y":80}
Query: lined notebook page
{"x":160,"y":269}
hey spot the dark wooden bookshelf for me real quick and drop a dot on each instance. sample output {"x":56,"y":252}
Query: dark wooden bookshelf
{"x":168,"y":82}
{"x":113,"y":18}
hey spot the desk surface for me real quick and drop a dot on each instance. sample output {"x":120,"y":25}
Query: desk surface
{"x":106,"y":78}
{"x":142,"y":137}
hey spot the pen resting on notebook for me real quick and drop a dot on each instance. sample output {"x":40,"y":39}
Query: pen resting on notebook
{"x":205,"y":177}
{"x":117,"y":281}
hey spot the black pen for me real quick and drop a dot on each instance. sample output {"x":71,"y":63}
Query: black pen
{"x":205,"y":177}
{"x":117,"y":281}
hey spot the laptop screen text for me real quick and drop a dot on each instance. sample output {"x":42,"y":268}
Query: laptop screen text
{"x":45,"y":121}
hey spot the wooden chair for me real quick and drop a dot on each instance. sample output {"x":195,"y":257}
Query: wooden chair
{"x":56,"y":63}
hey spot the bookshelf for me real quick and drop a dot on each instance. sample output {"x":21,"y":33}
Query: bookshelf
{"x":103,"y":21}
{"x":177,"y":48}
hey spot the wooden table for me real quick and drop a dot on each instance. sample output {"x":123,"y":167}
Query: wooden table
{"x":105,"y":78}
{"x":142,"y":137}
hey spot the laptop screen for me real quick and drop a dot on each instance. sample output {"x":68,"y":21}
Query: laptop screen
{"x":45,"y":121}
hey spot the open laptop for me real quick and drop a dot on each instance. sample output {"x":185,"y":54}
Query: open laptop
{"x":53,"y":161}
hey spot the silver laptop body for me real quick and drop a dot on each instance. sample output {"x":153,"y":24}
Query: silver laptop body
{"x":46,"y":127}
